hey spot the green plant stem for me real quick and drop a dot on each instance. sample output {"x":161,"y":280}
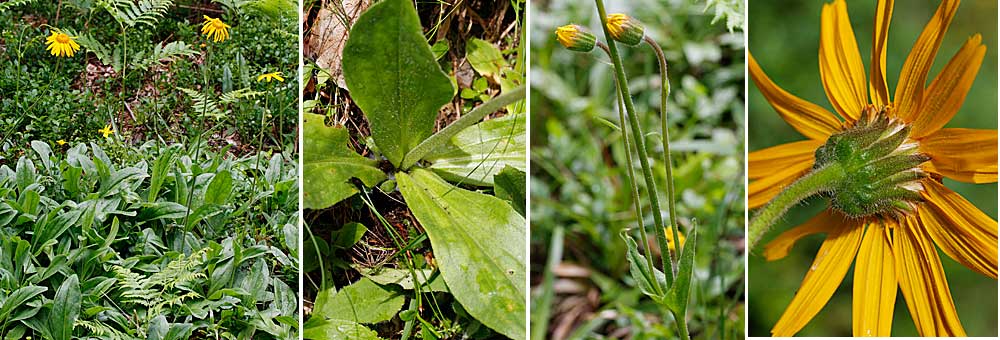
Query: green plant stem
{"x":543,"y":310}
{"x":442,"y":137}
{"x":630,"y":170}
{"x":665,"y":134}
{"x":640,"y":145}
{"x":812,"y":183}
{"x":682,"y":327}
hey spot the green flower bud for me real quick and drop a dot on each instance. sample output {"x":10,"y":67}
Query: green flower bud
{"x":625,"y":29}
{"x":882,"y":167}
{"x":575,"y":38}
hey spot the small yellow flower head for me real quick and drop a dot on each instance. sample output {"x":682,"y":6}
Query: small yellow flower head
{"x":61,"y":142}
{"x":575,"y":38}
{"x":106,"y":131}
{"x":271,"y":76}
{"x":625,"y":29}
{"x":215,"y":29}
{"x":670,"y":239}
{"x":61,"y":45}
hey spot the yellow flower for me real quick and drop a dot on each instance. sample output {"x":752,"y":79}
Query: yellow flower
{"x":271,"y":76}
{"x":106,"y":131}
{"x":575,"y":38}
{"x":670,"y":238}
{"x":215,"y":29}
{"x":61,"y":45}
{"x":898,"y":249}
{"x":625,"y":29}
{"x":61,"y":142}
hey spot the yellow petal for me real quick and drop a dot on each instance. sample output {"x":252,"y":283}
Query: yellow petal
{"x":768,"y":161}
{"x":874,"y":283}
{"x":922,"y":280}
{"x":779,"y":247}
{"x":948,"y":90}
{"x":913,"y":77}
{"x":967,"y":155}
{"x":960,"y":229}
{"x":878,"y":89}
{"x":809,"y":119}
{"x":763,"y":190}
{"x":840,"y":65}
{"x":827,"y":271}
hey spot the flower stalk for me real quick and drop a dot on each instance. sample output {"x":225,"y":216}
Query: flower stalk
{"x":665,"y":134}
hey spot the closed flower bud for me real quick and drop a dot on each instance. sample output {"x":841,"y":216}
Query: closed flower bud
{"x":575,"y":38}
{"x":625,"y":29}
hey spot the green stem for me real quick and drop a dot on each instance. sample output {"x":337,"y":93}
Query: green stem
{"x":630,"y":170}
{"x":665,"y":134}
{"x":812,"y":183}
{"x":640,"y":145}
{"x":442,"y":137}
{"x":682,"y":326}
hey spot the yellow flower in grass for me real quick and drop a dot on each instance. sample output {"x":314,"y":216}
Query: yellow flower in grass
{"x":106,"y":131}
{"x":61,"y":142}
{"x":271,"y":76}
{"x":215,"y":29}
{"x":898,"y":246}
{"x":60,"y":44}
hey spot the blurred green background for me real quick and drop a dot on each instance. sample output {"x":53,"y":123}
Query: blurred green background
{"x":785,"y":39}
{"x":577,"y":183}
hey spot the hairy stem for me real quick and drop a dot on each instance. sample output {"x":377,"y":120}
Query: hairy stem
{"x":665,"y":134}
{"x":640,"y":144}
{"x":812,"y":183}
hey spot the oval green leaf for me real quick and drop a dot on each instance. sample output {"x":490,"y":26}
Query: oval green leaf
{"x":393,"y":77}
{"x":328,"y":164}
{"x":479,"y":244}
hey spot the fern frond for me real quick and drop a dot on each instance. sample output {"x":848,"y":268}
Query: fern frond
{"x":203,"y":105}
{"x":731,"y":10}
{"x":4,"y":6}
{"x":162,"y":53}
{"x":237,"y":95}
{"x":136,"y":12}
{"x":101,"y":330}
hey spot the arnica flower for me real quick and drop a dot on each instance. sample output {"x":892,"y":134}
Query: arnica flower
{"x":106,"y":131}
{"x":896,"y":248}
{"x":575,"y":38}
{"x":271,"y":76}
{"x":61,"y":45}
{"x":215,"y":29}
{"x":625,"y":29}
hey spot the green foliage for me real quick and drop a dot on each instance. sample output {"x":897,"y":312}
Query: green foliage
{"x":205,"y":104}
{"x":147,"y":249}
{"x":401,"y":105}
{"x":479,"y":245}
{"x":579,"y":177}
{"x":473,"y":241}
{"x":136,"y":12}
{"x":13,"y":3}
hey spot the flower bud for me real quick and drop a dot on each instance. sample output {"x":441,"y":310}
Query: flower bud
{"x":575,"y":38}
{"x":625,"y":29}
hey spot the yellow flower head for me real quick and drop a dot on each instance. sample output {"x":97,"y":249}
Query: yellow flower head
{"x":625,"y":29}
{"x":106,"y":131}
{"x":61,"y":45}
{"x":575,"y":38}
{"x":896,"y":244}
{"x":271,"y":76}
{"x":215,"y":29}
{"x":670,"y":239}
{"x":61,"y":142}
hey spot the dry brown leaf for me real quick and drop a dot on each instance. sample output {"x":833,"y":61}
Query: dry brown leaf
{"x":329,"y":35}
